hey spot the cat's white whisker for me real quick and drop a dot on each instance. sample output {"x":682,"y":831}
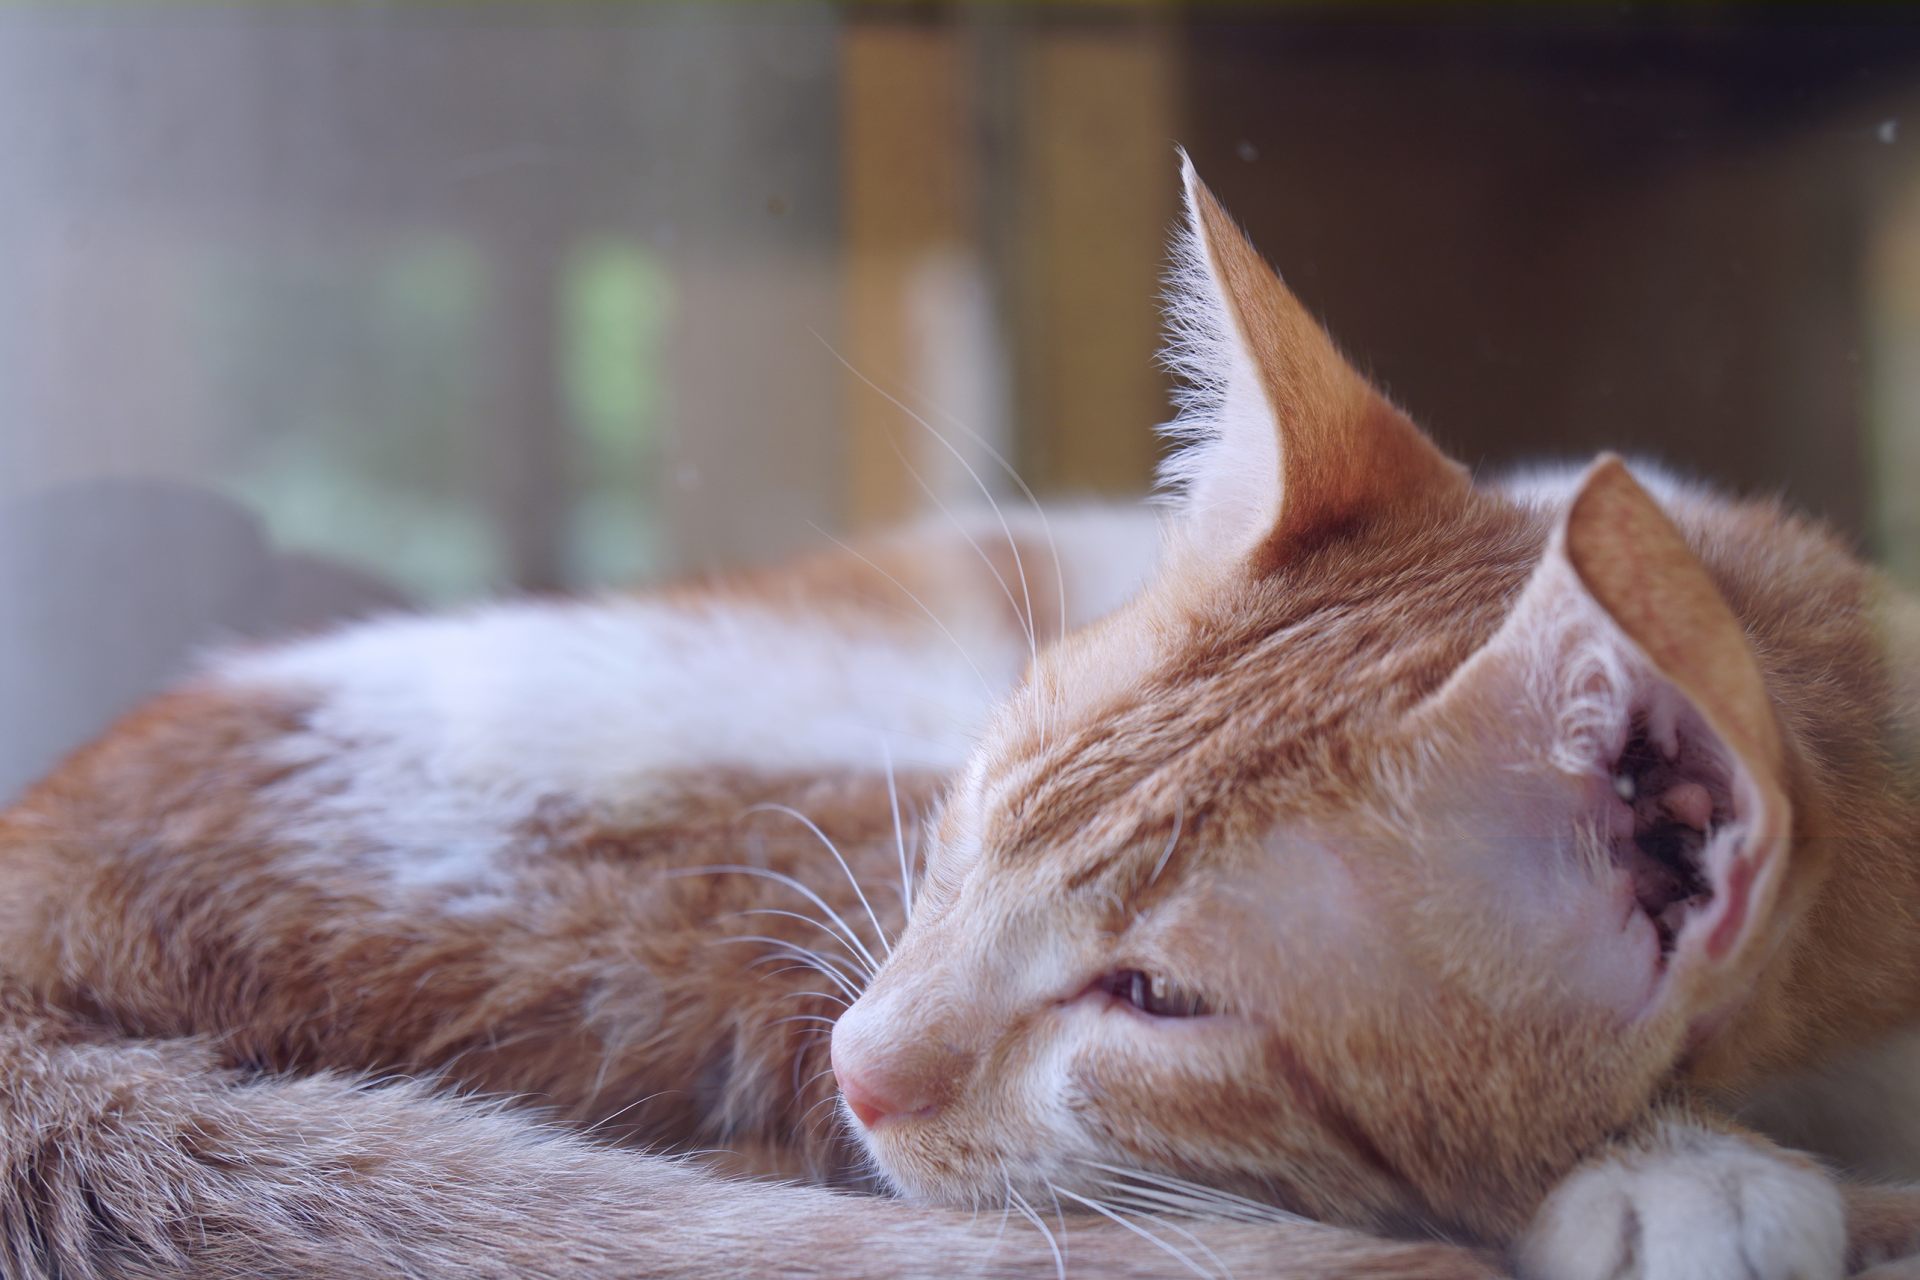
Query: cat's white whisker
{"x":813,"y":960}
{"x":822,"y":925}
{"x":1024,"y":615}
{"x":1166,"y":854}
{"x":795,"y":968}
{"x":879,"y":930}
{"x":803,"y":1017}
{"x":1197,"y":1190}
{"x":972,"y":474}
{"x":780,"y":878}
{"x":608,"y":1119}
{"x":1026,"y":491}
{"x":1225,"y":1271}
{"x":806,"y":959}
{"x":817,"y":1104}
{"x":899,"y":833}
{"x":818,"y":1075}
{"x":1137,"y":1229}
{"x":1150,"y":1200}
{"x":986,"y":686}
{"x":1006,"y":1211}
{"x":814,"y":995}
{"x":1026,"y":1211}
{"x":806,"y":1117}
{"x":800,"y":964}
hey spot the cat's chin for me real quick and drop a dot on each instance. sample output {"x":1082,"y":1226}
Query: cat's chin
{"x":920,"y":1169}
{"x":941,"y":1191}
{"x":925,"y":1176}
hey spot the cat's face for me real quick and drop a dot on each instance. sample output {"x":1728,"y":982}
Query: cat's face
{"x":1380,"y":859}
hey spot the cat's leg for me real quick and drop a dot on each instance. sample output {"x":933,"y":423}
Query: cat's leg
{"x":1687,"y":1198}
{"x":144,"y":1160}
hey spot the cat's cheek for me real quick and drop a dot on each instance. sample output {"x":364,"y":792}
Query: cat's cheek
{"x":1615,"y":955}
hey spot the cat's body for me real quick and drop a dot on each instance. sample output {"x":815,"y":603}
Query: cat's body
{"x":452,"y":849}
{"x":509,"y":827}
{"x":1302,"y":876}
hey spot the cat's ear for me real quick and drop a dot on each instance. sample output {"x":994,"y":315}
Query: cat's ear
{"x":1281,"y":439}
{"x":1623,"y":679}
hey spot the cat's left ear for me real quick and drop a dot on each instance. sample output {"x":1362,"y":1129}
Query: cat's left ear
{"x":1282,"y":440}
{"x":1621,"y":696}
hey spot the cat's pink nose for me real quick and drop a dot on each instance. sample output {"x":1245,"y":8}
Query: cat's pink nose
{"x":870,"y":1106}
{"x":878,"y":1090}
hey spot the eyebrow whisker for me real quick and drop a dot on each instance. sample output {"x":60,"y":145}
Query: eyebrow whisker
{"x":1166,"y":854}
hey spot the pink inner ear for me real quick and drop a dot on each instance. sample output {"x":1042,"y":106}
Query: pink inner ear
{"x":1646,"y":858}
{"x":1733,"y":916}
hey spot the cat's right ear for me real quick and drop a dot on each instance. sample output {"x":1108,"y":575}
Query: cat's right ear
{"x":1281,"y":440}
{"x":1621,"y":697}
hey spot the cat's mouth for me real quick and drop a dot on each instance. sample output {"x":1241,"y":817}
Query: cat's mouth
{"x":1673,"y":794}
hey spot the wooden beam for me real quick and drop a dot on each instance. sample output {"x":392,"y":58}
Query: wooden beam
{"x":1094,"y":188}
{"x":907,"y":195}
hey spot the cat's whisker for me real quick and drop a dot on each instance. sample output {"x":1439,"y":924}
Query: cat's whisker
{"x":1198,"y":1190}
{"x":1136,"y":1228}
{"x":1148,"y":1198}
{"x":808,"y":959}
{"x":795,"y":968}
{"x":782,"y":879}
{"x":800,"y":1058}
{"x":1059,"y":1214}
{"x":1025,"y":616}
{"x":811,"y":960}
{"x":1046,"y":528}
{"x":819,"y":1075}
{"x":1166,"y":854}
{"x":972,"y":474}
{"x":807,"y":919}
{"x":899,"y":835}
{"x":801,"y":964}
{"x":1026,"y":491}
{"x":1026,"y":1211}
{"x":1006,"y":1211}
{"x":804,"y":1017}
{"x":817,"y":1104}
{"x":792,"y":968}
{"x":860,"y":893}
{"x":986,"y":686}
{"x":813,"y":995}
{"x":1152,"y":1213}
{"x":807,"y":1115}
{"x":601,"y":1123}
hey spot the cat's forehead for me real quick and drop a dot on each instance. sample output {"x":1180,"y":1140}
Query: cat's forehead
{"x":1233,"y":703}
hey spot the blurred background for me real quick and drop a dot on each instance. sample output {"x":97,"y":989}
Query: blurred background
{"x":313,"y":310}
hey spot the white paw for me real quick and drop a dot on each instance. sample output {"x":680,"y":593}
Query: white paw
{"x":1705,"y":1207}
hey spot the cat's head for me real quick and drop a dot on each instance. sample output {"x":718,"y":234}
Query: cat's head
{"x":1390,"y":849}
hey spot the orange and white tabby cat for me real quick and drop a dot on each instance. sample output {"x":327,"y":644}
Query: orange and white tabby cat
{"x":1432,"y":859}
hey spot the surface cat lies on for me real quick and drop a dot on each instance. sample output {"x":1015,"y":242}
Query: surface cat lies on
{"x":1424,"y":857}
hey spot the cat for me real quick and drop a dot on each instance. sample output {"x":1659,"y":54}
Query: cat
{"x":1424,"y":857}
{"x":1406,"y":843}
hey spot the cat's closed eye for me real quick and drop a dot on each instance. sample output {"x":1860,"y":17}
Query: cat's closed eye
{"x":1152,"y":994}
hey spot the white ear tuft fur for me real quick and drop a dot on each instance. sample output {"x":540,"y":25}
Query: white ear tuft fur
{"x":1283,"y":440}
{"x":1225,"y":469}
{"x":1577,"y":667}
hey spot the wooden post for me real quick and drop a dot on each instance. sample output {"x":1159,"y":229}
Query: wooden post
{"x":907,"y":174}
{"x":1094,"y":188}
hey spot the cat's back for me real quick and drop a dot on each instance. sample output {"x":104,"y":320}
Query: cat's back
{"x":429,"y":767}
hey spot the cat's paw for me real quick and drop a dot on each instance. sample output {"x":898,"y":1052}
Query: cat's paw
{"x":1704,"y":1207}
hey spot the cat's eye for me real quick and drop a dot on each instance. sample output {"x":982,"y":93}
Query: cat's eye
{"x":1152,"y":994}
